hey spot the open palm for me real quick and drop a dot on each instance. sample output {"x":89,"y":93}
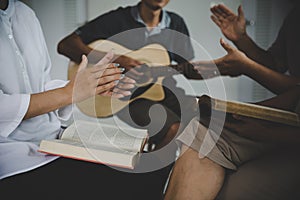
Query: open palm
{"x":232,"y":26}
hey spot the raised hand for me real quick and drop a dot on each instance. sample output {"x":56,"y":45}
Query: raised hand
{"x":232,"y":26}
{"x":235,"y":63}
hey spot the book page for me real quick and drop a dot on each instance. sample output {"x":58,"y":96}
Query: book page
{"x":92,"y":133}
{"x":103,"y":155}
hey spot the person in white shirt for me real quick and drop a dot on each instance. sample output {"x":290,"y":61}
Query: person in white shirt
{"x":32,"y":104}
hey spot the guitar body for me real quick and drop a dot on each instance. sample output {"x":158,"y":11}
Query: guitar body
{"x":152,"y":55}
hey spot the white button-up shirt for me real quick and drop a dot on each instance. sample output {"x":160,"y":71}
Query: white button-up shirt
{"x":24,"y":70}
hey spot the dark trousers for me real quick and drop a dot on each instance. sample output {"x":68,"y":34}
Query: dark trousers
{"x":175,"y":107}
{"x":275,"y":176}
{"x":73,"y":179}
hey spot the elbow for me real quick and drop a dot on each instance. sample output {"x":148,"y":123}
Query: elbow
{"x":70,"y":47}
{"x":65,"y":45}
{"x":61,"y":46}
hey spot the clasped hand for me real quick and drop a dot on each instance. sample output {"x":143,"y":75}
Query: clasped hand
{"x":102,"y":79}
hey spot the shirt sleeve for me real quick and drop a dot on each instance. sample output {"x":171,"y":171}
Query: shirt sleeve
{"x":278,"y":49}
{"x":63,"y":113}
{"x":13,"y":109}
{"x":102,"y":27}
{"x":187,"y":45}
{"x":182,"y":42}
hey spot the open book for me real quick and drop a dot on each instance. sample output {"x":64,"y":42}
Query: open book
{"x":99,"y":143}
{"x":207,"y":103}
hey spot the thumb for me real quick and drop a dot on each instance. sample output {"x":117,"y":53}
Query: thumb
{"x":106,"y":59}
{"x":83,"y":63}
{"x":240,"y":13}
{"x":226,"y":46}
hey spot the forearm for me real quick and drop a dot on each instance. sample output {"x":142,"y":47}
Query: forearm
{"x":48,"y":101}
{"x":253,"y":51}
{"x":285,"y":101}
{"x":73,"y":48}
{"x":274,"y":81}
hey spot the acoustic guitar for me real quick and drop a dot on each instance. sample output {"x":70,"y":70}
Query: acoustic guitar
{"x":157,"y":66}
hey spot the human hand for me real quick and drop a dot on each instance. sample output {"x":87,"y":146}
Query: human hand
{"x":235,"y":63}
{"x":124,"y":87}
{"x":232,"y":26}
{"x":127,"y":62}
{"x":132,"y":67}
{"x":99,"y":79}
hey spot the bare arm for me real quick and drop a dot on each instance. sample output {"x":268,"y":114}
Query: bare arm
{"x":236,"y":63}
{"x":73,"y":47}
{"x":274,"y":81}
{"x":233,"y":28}
{"x":261,"y":130}
{"x":97,"y":80}
{"x":285,"y":101}
{"x":45,"y":102}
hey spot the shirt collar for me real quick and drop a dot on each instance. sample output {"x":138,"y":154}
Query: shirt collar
{"x":164,"y":23}
{"x":9,"y":10}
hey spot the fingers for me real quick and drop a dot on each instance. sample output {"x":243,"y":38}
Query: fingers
{"x":216,"y":11}
{"x":106,"y":59}
{"x":206,"y":69}
{"x":226,"y":46}
{"x":225,"y":10}
{"x":123,"y":87}
{"x":117,"y":93}
{"x":108,"y":79}
{"x":216,"y":20}
{"x":134,"y":74}
{"x":241,"y":13}
{"x":110,"y":70}
{"x":126,"y":84}
{"x":105,"y":89}
{"x":221,"y":10}
{"x":83,"y":64}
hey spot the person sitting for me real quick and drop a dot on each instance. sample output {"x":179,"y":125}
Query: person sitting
{"x":32,"y":106}
{"x":252,"y":158}
{"x":268,"y":67}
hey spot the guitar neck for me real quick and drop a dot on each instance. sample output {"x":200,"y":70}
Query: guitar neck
{"x":187,"y":69}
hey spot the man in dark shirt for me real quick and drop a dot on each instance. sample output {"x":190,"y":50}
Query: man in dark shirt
{"x":135,"y":27}
{"x":274,"y":62}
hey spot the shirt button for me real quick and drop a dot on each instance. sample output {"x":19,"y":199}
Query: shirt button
{"x":10,"y":36}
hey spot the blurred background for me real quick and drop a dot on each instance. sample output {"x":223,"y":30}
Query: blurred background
{"x":61,"y":17}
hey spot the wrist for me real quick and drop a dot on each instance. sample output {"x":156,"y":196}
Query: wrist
{"x":243,"y":38}
{"x":248,"y":67}
{"x":67,"y":94}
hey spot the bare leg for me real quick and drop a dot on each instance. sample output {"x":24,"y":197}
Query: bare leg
{"x":194,"y":177}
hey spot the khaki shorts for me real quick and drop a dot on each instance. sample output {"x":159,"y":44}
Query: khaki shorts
{"x":226,"y":149}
